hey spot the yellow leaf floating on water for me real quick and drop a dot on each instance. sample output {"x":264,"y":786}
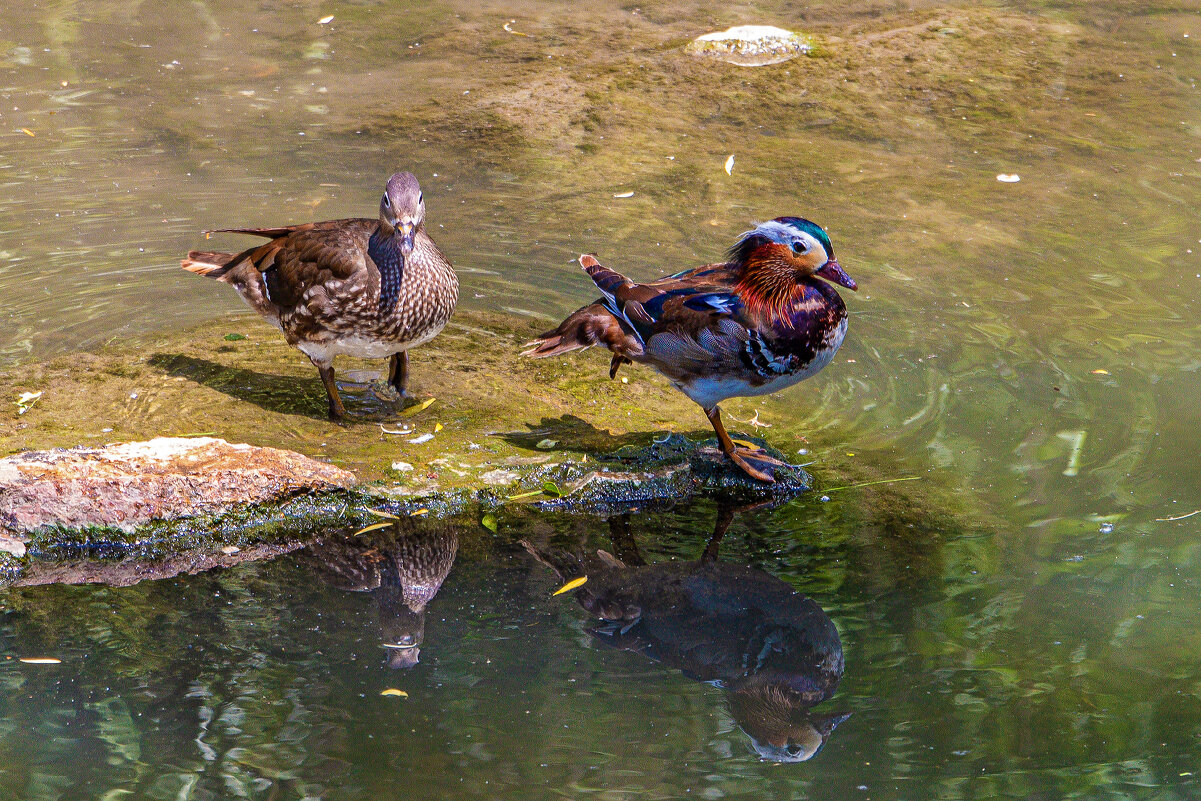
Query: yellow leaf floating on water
{"x":744,"y":443}
{"x":422,"y":512}
{"x":421,"y":407}
{"x":438,"y":427}
{"x":372,"y":527}
{"x":40,"y":660}
{"x":396,"y":692}
{"x":730,"y":165}
{"x":382,"y":513}
{"x":569,"y":586}
{"x":1100,"y":371}
{"x":28,"y":132}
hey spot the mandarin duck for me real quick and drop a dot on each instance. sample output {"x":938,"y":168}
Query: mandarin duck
{"x":775,"y":651}
{"x":757,"y":323}
{"x":360,"y":287}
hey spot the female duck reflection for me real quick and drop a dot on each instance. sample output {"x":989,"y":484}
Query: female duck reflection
{"x":775,"y":651}
{"x":403,"y":565}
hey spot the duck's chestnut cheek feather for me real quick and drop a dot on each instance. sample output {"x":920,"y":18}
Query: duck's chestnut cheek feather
{"x":832,"y":271}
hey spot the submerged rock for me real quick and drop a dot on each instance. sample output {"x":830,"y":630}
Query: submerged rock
{"x":131,"y":483}
{"x":751,"y":45}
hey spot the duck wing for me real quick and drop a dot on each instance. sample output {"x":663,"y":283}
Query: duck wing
{"x":691,"y":322}
{"x":301,"y":257}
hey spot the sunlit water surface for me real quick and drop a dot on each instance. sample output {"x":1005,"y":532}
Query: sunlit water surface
{"x":1033,"y":345}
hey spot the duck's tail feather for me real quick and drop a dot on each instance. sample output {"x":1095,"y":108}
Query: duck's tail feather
{"x":209,"y":263}
{"x":591,"y":325}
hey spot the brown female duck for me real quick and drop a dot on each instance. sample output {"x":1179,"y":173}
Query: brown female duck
{"x":360,"y":287}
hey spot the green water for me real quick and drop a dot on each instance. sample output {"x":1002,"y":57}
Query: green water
{"x":1023,"y":628}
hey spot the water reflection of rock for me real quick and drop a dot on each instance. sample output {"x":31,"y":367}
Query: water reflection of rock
{"x":403,"y":566}
{"x":773,"y":649}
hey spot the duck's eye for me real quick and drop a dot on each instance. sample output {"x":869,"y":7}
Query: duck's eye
{"x":387,"y":202}
{"x":799,"y":247}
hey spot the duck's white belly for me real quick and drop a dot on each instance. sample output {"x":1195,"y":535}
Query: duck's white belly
{"x":361,"y":347}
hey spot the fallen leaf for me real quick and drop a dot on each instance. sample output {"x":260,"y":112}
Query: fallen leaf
{"x":28,"y":132}
{"x":326,"y":20}
{"x":489,"y":522}
{"x":569,"y":586}
{"x":40,"y":660}
{"x":1007,"y":178}
{"x":396,"y":692}
{"x":438,"y":427}
{"x":382,"y":513}
{"x":1100,"y":371}
{"x":624,"y":194}
{"x":421,"y":439}
{"x":230,"y":550}
{"x":422,"y":512}
{"x":26,"y":401}
{"x":552,"y":489}
{"x":544,"y":444}
{"x":372,"y":527}
{"x":730,"y":165}
{"x":421,"y":407}
{"x":234,"y":337}
{"x":402,"y":467}
{"x":395,"y":430}
{"x":510,"y":30}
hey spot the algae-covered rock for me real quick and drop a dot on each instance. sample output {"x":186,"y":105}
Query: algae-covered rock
{"x":751,"y":45}
{"x":131,"y":483}
{"x":669,"y":470}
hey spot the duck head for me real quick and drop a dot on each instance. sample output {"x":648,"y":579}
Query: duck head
{"x":402,"y":209}
{"x":780,"y":254}
{"x":779,"y":720}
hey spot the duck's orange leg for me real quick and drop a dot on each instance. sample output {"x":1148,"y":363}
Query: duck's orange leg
{"x":745,"y":458}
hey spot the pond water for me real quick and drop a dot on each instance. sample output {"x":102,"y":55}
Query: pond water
{"x":1022,"y":628}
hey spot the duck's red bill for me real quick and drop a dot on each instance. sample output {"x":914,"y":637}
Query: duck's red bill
{"x":832,"y":271}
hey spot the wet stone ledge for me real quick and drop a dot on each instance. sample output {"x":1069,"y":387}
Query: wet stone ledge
{"x":197,"y":448}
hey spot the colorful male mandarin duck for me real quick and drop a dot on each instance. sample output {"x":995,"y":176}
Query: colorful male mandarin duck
{"x":365,"y":288}
{"x":758,"y":323}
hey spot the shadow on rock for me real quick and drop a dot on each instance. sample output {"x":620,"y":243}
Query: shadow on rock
{"x":643,"y":470}
{"x":402,"y":565}
{"x":365,"y":399}
{"x":774,"y":651}
{"x":574,"y":433}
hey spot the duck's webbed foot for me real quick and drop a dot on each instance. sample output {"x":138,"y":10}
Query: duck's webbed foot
{"x":753,"y":461}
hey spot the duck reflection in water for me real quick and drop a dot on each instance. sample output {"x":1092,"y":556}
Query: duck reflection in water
{"x":403,"y":566}
{"x":773,"y":649}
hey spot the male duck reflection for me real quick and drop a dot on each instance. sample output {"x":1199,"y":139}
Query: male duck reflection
{"x":775,"y":651}
{"x":366,"y":288}
{"x":403,"y":566}
{"x":755,"y":324}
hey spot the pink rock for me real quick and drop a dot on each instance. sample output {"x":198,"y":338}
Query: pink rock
{"x":130,"y":483}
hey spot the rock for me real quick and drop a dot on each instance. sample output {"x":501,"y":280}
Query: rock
{"x":751,"y":45}
{"x":668,"y":471}
{"x":128,"y":484}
